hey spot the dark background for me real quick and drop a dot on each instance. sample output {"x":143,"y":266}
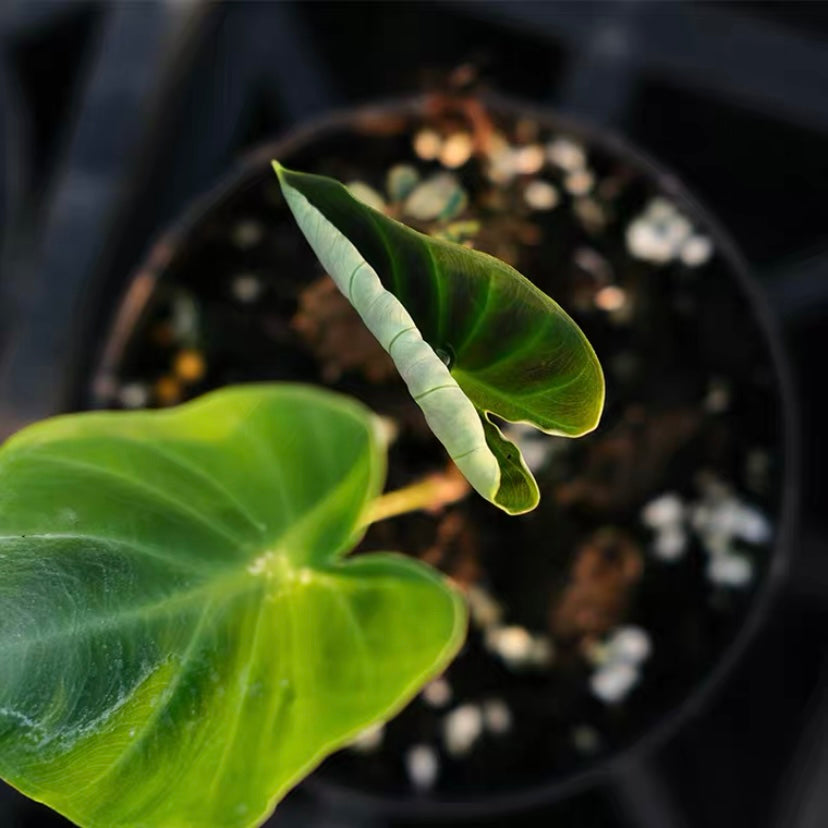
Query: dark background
{"x":113,"y":116}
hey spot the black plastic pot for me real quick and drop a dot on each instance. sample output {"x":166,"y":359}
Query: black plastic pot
{"x":624,"y":768}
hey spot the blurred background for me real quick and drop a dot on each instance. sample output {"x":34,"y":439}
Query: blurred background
{"x":113,"y":116}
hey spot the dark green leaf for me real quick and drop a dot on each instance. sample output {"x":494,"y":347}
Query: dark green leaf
{"x":469,"y":335}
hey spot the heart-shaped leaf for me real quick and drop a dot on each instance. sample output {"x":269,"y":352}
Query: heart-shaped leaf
{"x":180,"y":639}
{"x":469,"y":335}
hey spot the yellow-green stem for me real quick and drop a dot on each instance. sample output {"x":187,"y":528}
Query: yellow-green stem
{"x":430,"y":494}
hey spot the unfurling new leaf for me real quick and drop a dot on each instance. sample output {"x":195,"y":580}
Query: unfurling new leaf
{"x":469,"y":335}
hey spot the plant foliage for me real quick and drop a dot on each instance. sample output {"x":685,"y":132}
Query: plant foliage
{"x":469,"y":335}
{"x":182,"y":636}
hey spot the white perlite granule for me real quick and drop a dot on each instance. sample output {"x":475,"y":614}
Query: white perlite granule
{"x":462,"y":728}
{"x":423,"y":766}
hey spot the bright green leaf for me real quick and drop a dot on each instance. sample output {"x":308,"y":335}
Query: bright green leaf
{"x":180,"y":637}
{"x":469,"y":335}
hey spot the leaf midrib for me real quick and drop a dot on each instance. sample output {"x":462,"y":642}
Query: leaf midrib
{"x":225,"y":589}
{"x":220,"y":585}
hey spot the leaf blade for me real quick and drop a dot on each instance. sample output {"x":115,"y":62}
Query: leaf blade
{"x":514,"y":351}
{"x":195,"y":687}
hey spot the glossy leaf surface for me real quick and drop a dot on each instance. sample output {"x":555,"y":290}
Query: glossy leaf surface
{"x":469,"y":335}
{"x":181,"y":639}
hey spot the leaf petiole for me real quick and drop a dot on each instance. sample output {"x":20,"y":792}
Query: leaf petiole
{"x":430,"y":494}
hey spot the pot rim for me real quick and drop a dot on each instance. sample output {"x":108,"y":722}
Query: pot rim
{"x":136,"y":297}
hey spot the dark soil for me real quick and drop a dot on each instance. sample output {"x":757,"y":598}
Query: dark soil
{"x":691,"y":397}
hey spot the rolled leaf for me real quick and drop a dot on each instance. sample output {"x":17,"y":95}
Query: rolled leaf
{"x":181,"y":638}
{"x":469,"y":335}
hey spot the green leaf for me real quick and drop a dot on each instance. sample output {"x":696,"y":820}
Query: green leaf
{"x":180,"y":638}
{"x":469,"y":335}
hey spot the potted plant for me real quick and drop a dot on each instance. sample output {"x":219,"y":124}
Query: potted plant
{"x":567,"y":601}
